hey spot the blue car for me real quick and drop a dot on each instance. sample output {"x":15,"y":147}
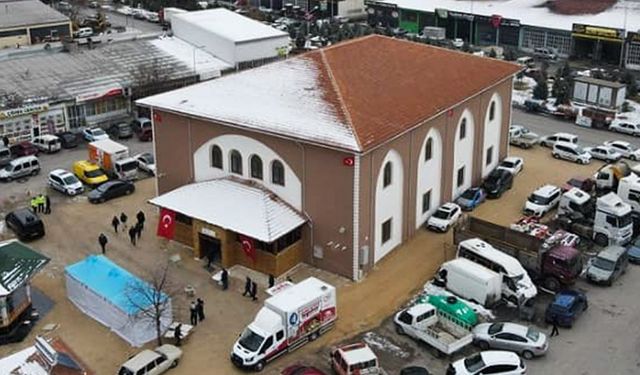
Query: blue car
{"x":565,"y":308}
{"x":471,"y":198}
{"x":634,"y":252}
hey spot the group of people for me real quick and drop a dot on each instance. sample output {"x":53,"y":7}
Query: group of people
{"x":196,"y":310}
{"x":135,"y":231}
{"x":41,"y":204}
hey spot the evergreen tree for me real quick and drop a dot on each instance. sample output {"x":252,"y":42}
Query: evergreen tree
{"x":541,"y":91}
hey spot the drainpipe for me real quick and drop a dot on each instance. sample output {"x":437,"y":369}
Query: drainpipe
{"x":304,"y":188}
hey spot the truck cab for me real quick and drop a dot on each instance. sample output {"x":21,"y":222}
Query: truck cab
{"x":612,"y":224}
{"x":561,"y":265}
{"x":355,"y":359}
{"x":259,"y":341}
{"x":609,"y":176}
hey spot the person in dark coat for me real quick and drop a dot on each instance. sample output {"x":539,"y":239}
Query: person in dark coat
{"x":247,"y":287}
{"x":123,"y":220}
{"x":224,"y":279}
{"x":47,"y":205}
{"x":5,"y":141}
{"x":138,"y":228}
{"x":200,"y":309}
{"x":132,"y":235}
{"x":102,"y":239}
{"x":272,"y":281}
{"x":177,"y":334}
{"x":115,"y":223}
{"x":193,"y":310}
{"x":254,"y":290}
{"x":554,"y":330}
{"x":141,"y":218}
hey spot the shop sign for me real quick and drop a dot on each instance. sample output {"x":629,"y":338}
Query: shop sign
{"x":597,"y":32}
{"x":208,"y":232}
{"x":442,"y":13}
{"x":107,"y":93}
{"x":26,"y":110}
{"x":499,"y":20}
{"x":496,"y":20}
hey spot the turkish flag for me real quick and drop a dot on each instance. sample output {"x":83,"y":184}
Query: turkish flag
{"x":248,"y":248}
{"x":167,"y":223}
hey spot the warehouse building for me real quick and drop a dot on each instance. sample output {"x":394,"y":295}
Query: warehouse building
{"x":27,"y":22}
{"x":333,"y":158}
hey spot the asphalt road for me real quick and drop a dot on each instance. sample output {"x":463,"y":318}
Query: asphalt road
{"x":545,"y":125}
{"x":118,"y":19}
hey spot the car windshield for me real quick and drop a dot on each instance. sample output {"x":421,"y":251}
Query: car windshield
{"x":70,"y":180}
{"x":536,"y":199}
{"x":469,"y":194}
{"x":104,"y":187}
{"x":94,"y":173}
{"x":474,"y":363}
{"x":495,"y":328}
{"x":493,"y":179}
{"x":98,"y":132}
{"x":533,"y":334}
{"x":603,"y":264}
{"x":441,"y":214}
{"x":126,"y":167}
{"x":250,"y":340}
{"x":507,"y":164}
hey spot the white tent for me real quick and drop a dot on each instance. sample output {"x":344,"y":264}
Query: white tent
{"x":107,"y":293}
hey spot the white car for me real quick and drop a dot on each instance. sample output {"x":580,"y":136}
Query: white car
{"x":489,"y":362}
{"x":550,"y":140}
{"x":571,"y":152}
{"x":625,"y":127}
{"x":65,"y":182}
{"x":542,"y":200}
{"x":444,"y":217}
{"x":512,"y":164}
{"x":152,"y":362}
{"x":457,"y":42}
{"x":526,"y":341}
{"x":605,"y":153}
{"x":94,"y":134}
{"x":146,"y":163}
{"x":625,"y":148}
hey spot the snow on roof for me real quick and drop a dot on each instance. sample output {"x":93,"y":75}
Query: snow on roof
{"x":300,"y":294}
{"x":239,"y":206}
{"x":15,"y":14}
{"x":18,"y":361}
{"x":18,"y":263}
{"x":532,"y":12}
{"x":109,"y":146}
{"x":206,"y":65}
{"x":230,"y":25}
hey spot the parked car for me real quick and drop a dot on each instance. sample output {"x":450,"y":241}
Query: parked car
{"x":68,"y":139}
{"x":47,"y":143}
{"x":414,"y":370}
{"x":512,"y":164}
{"x":497,"y":182}
{"x":301,"y":370}
{"x":20,"y":167}
{"x":94,"y":134}
{"x":585,"y":184}
{"x":454,"y":307}
{"x":571,"y":152}
{"x":526,"y":341}
{"x":24,"y":148}
{"x":625,"y":127}
{"x":121,"y":131}
{"x":489,"y":362}
{"x":633,"y":252}
{"x":110,"y":190}
{"x":542,"y":200}
{"x":5,"y":155}
{"x":354,"y":359}
{"x":471,"y":198}
{"x":550,"y":140}
{"x":444,"y":217}
{"x":566,"y":307}
{"x":65,"y":182}
{"x":141,"y":123}
{"x":545,"y":53}
{"x":25,"y":223}
{"x":608,"y":265}
{"x":625,"y":148}
{"x":604,"y":153}
{"x":152,"y":362}
{"x":146,"y":163}
{"x":457,"y":42}
{"x":89,"y":173}
{"x":145,"y":135}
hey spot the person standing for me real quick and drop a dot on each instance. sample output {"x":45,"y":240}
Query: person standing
{"x":141,"y":218}
{"x":132,"y":235}
{"x":193,"y":310}
{"x":554,"y":330}
{"x":138,"y":227}
{"x":200,"y":309}
{"x":5,"y":141}
{"x":224,"y":279}
{"x":254,"y":291}
{"x":177,"y":334}
{"x":41,"y":203}
{"x":47,"y":205}
{"x":115,"y":223}
{"x":123,"y":220}
{"x":272,"y":281}
{"x":34,"y":204}
{"x":247,"y":287}
{"x":102,"y":239}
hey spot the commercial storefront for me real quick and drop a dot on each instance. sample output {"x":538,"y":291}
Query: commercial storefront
{"x":597,"y":43}
{"x":100,"y":105}
{"x":537,"y":37}
{"x":632,"y":54}
{"x":23,"y":123}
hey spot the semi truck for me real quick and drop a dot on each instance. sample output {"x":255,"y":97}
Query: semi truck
{"x":550,"y":267}
{"x":289,"y":319}
{"x":608,"y":177}
{"x":436,"y":328}
{"x":471,"y":281}
{"x":113,"y":158}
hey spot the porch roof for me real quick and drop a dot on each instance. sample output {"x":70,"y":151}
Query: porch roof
{"x":240,"y":206}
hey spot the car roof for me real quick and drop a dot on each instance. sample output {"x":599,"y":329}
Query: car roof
{"x":356,"y":353}
{"x":546,"y":190}
{"x":23,"y":213}
{"x":512,"y":159}
{"x":518,"y":329}
{"x":621,"y":143}
{"x":491,"y":357}
{"x":564,"y":135}
{"x":612,"y":253}
{"x":60,"y":173}
{"x":141,"y":359}
{"x":565,"y":298}
{"x":448,"y":206}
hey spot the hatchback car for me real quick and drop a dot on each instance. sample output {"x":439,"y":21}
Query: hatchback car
{"x":497,"y":182}
{"x":65,"y":182}
{"x":566,"y":307}
{"x":571,"y":152}
{"x":625,"y":148}
{"x":608,"y":265}
{"x":152,"y":362}
{"x":146,"y":163}
{"x":542,"y":200}
{"x":489,"y":362}
{"x":526,"y":341}
{"x":512,"y":164}
{"x":471,"y":198}
{"x":68,"y":139}
{"x":23,"y":149}
{"x":550,"y":140}
{"x":444,"y":217}
{"x":110,"y":190}
{"x":625,"y":127}
{"x":604,"y":153}
{"x":25,"y":223}
{"x":121,"y":131}
{"x":94,"y":134}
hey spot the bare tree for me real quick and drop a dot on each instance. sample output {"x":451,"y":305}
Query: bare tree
{"x":152,"y":78}
{"x":152,"y":299}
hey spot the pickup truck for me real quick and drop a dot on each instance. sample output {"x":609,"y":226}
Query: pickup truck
{"x":522,"y":137}
{"x":436,"y":328}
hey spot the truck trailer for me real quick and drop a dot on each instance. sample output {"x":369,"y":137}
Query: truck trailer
{"x":114,"y":159}
{"x":471,"y":281}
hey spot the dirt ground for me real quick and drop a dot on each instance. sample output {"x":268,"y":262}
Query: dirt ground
{"x":74,"y":226}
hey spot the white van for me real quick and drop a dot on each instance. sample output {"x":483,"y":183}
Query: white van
{"x":20,"y":167}
{"x":572,"y":152}
{"x":550,"y":140}
{"x":83,"y":32}
{"x":471,"y":281}
{"x":516,"y":283}
{"x":47,"y":143}
{"x":527,"y":61}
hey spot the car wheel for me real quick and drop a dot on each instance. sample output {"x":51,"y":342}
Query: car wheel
{"x":556,"y":156}
{"x":543,"y":144}
{"x":175,"y":363}
{"x":601,"y":239}
{"x":9,"y":179}
{"x":35,"y":172}
{"x":552,"y":283}
{"x":483,"y":345}
{"x":527,"y":354}
{"x":399,"y":330}
{"x":259,"y":366}
{"x":129,"y":191}
{"x":586,"y":306}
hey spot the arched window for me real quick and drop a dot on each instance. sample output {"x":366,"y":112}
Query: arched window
{"x":236,"y":162}
{"x":256,"y":167}
{"x":216,"y":157}
{"x":492,"y":111}
{"x":428,"y":149}
{"x":386,"y":179}
{"x":463,"y":128}
{"x":277,"y":173}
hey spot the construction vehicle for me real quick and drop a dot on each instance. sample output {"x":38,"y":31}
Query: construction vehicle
{"x":608,"y":177}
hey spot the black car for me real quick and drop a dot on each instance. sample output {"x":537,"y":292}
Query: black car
{"x":111,"y":189}
{"x":498,"y":181}
{"x":68,"y":139}
{"x":414,"y":370}
{"x":25,"y":223}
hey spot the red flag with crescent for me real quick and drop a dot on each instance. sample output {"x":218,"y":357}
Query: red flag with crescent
{"x":496,"y":20}
{"x":167,"y":223}
{"x":248,"y":247}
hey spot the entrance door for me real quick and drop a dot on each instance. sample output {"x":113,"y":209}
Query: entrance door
{"x":210,"y":248}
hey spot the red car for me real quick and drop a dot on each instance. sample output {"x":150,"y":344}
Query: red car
{"x":23,"y":149}
{"x":301,"y":370}
{"x":585,"y":184}
{"x":145,"y":134}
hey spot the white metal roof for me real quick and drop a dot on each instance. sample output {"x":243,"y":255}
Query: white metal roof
{"x":298,"y":295}
{"x":109,"y":146}
{"x":267,"y":320}
{"x":19,"y":363}
{"x":510,"y":264}
{"x":235,"y":205}
{"x":204,"y":63}
{"x":358,"y":355}
{"x":14,"y":14}
{"x":230,"y":25}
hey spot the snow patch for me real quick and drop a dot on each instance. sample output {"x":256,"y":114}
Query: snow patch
{"x":382,"y":343}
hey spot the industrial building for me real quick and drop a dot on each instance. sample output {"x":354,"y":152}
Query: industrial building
{"x":27,"y":22}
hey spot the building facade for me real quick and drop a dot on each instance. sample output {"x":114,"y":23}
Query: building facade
{"x":28,"y":22}
{"x":362,"y":141}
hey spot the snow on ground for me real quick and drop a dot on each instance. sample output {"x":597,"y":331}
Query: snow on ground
{"x":376,"y":341}
{"x":432,"y":290}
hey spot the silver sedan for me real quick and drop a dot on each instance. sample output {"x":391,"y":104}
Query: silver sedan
{"x":526,"y":341}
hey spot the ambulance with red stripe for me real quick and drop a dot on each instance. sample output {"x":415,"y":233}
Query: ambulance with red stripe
{"x":294,"y":315}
